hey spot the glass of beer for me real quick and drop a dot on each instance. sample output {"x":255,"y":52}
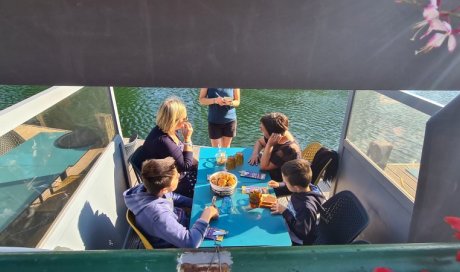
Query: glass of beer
{"x":231,"y":163}
{"x":239,"y":158}
{"x":254,"y":198}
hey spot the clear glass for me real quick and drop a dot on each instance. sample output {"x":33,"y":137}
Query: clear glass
{"x":43,"y":161}
{"x":391,"y":135}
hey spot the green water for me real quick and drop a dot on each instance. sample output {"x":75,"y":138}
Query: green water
{"x":313,"y":115}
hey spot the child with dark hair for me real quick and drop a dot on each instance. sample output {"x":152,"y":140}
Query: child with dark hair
{"x":303,"y":208}
{"x":278,"y":144}
{"x":156,"y":207}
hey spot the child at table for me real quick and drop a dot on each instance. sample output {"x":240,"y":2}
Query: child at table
{"x":155,"y":207}
{"x":304,"y":205}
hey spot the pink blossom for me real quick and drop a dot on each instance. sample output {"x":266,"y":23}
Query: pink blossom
{"x":382,"y":269}
{"x":453,"y":221}
{"x":457,"y":235}
{"x":438,"y":38}
{"x":458,"y":256}
{"x":430,"y":12}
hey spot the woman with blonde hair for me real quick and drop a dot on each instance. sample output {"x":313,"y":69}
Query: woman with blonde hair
{"x":163,"y":141}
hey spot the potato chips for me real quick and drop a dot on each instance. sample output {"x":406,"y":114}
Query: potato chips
{"x":223,"y":179}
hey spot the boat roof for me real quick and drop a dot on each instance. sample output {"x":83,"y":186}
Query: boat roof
{"x":356,"y":45}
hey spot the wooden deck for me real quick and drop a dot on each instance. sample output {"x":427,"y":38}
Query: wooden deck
{"x":400,"y":175}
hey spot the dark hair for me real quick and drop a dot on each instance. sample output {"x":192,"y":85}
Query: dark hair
{"x":275,"y":122}
{"x":298,"y":172}
{"x":158,"y":173}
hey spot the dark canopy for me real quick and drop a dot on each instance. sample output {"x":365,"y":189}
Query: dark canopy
{"x":308,"y":44}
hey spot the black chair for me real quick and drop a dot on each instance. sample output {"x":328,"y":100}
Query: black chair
{"x":136,"y":160}
{"x":9,"y":141}
{"x":342,"y":219}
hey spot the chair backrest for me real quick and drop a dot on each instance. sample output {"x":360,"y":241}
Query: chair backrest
{"x":321,"y":173}
{"x":9,"y":141}
{"x":309,"y":152}
{"x":326,"y":161}
{"x":132,"y":222}
{"x":136,"y":160}
{"x":342,"y":219}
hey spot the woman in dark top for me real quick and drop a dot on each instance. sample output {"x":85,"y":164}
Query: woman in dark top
{"x":278,"y":144}
{"x":221,"y":114}
{"x":163,"y":141}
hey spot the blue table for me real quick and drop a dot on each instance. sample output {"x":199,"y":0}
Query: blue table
{"x":247,"y":227}
{"x":28,"y":170}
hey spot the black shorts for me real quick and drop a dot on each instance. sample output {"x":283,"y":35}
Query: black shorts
{"x":217,"y":131}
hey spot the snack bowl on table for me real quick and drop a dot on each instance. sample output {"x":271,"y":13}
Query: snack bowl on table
{"x":223,"y":183}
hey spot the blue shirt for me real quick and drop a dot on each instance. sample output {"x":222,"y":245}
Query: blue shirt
{"x":220,"y":114}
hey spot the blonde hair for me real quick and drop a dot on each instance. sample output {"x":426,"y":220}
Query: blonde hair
{"x":170,"y":113}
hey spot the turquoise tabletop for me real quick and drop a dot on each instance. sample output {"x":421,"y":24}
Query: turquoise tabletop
{"x":29,"y":169}
{"x":245,"y":226}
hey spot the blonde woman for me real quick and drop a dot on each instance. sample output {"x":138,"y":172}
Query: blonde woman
{"x":163,"y":141}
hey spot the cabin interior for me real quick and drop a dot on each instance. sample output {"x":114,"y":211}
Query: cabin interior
{"x":360,"y":46}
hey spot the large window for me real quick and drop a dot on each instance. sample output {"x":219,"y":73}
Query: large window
{"x":43,"y":160}
{"x":390,"y":134}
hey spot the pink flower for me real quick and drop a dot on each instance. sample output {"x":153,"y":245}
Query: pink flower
{"x":453,"y":221}
{"x":458,"y":256}
{"x":457,"y":235}
{"x":382,"y":269}
{"x":438,"y":38}
{"x":431,"y":12}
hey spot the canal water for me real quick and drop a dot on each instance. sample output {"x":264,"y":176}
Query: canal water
{"x":313,"y":115}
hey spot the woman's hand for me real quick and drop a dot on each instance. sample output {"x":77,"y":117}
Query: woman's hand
{"x":187,"y":131}
{"x":228,"y":101}
{"x":209,"y":213}
{"x":274,"y":139}
{"x":277,"y":208}
{"x":254,"y":160}
{"x":221,"y":101}
{"x":273,"y":184}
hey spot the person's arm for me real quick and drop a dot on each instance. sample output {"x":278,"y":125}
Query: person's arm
{"x":184,"y":160}
{"x":258,"y":146}
{"x":301,"y":225}
{"x":168,"y":229}
{"x":205,"y":101}
{"x":236,"y":98}
{"x":265,"y":163}
{"x":187,"y":131}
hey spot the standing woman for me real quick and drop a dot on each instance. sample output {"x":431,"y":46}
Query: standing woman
{"x":221,"y":114}
{"x":163,"y":141}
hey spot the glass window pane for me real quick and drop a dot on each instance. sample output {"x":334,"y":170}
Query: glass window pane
{"x":441,"y":97}
{"x":43,"y":161}
{"x":391,"y":135}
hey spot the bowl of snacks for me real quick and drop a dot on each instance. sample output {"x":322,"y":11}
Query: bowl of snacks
{"x":223,"y":183}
